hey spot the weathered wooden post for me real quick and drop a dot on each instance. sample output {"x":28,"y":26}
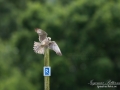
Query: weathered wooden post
{"x":47,"y":70}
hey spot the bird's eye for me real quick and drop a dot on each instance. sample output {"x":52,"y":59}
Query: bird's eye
{"x":48,"y":38}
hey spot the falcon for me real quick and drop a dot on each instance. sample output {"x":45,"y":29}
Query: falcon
{"x":45,"y":42}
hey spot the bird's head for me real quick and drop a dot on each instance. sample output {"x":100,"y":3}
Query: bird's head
{"x":49,"y":38}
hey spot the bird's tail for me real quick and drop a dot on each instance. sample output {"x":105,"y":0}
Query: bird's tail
{"x":38,"y":48}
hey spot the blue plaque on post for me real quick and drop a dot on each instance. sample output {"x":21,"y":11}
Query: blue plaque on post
{"x":47,"y":71}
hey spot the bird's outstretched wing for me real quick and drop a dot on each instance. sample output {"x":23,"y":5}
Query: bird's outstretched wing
{"x":38,"y":48}
{"x":53,"y":45}
{"x":42,"y":34}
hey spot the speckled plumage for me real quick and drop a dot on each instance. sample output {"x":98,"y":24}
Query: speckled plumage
{"x":45,"y":42}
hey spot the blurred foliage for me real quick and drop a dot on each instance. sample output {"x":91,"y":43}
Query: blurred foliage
{"x":87,"y":32}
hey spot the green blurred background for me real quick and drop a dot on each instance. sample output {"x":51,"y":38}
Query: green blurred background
{"x":87,"y":32}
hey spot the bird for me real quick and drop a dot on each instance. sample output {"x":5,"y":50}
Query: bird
{"x":45,"y":42}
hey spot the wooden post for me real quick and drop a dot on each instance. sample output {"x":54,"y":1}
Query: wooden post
{"x":46,"y":63}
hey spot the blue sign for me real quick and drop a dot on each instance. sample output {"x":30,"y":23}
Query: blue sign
{"x":47,"y":71}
